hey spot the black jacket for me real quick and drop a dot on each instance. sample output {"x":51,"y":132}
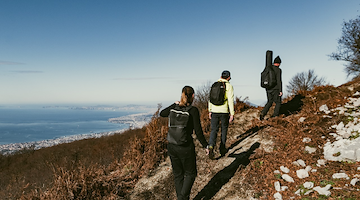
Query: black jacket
{"x":278,"y":85}
{"x":193,"y":123}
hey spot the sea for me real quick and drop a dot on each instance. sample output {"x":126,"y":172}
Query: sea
{"x":29,"y":124}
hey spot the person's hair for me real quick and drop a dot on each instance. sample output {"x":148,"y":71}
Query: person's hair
{"x":186,"y":96}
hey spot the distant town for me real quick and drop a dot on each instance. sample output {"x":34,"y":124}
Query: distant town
{"x":131,"y":107}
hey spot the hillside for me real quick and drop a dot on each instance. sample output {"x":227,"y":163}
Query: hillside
{"x":278,"y":158}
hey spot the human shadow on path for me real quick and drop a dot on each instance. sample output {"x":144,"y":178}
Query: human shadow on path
{"x":292,"y":106}
{"x":245,"y":135}
{"x":223,"y":176}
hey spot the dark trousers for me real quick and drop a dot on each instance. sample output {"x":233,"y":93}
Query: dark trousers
{"x":183,"y":161}
{"x":216,"y":118}
{"x":272,"y":97}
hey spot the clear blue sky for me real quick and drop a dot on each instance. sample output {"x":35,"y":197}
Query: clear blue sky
{"x":145,"y":51}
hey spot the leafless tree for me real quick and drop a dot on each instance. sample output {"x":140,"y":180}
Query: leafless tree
{"x":202,"y":96}
{"x":349,"y":47}
{"x":304,"y":81}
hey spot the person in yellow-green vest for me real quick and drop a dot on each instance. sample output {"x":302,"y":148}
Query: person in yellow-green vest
{"x":221,"y":113}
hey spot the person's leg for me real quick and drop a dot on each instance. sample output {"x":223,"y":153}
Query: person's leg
{"x":277,"y":100}
{"x":213,"y":134}
{"x":190,"y":171}
{"x":177,"y":167}
{"x":214,"y":129}
{"x":268,"y":104}
{"x":224,"y":129}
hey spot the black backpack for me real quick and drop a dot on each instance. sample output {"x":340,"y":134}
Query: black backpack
{"x":178,"y":120}
{"x":268,"y":77}
{"x":217,"y":93}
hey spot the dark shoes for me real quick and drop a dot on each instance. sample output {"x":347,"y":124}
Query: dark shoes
{"x":223,"y":150}
{"x":261,"y":117}
{"x":211,"y":152}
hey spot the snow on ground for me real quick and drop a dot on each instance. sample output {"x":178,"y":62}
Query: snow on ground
{"x":346,"y":147}
{"x":347,"y":144}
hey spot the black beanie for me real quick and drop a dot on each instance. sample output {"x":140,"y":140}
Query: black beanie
{"x":225,"y":74}
{"x":277,"y":60}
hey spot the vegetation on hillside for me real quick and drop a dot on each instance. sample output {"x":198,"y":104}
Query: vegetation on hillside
{"x":106,"y":167}
{"x":109,"y":167}
{"x":288,"y":133}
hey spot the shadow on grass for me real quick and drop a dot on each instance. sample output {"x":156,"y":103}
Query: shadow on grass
{"x":223,"y":176}
{"x":292,"y":106}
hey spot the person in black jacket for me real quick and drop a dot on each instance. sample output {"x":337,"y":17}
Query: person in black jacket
{"x":274,"y":94}
{"x":182,"y":156}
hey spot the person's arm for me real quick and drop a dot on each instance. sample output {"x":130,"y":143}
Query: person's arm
{"x":210,"y":108}
{"x":279,"y":81}
{"x":166,"y":111}
{"x":197,"y":127}
{"x":230,"y":96}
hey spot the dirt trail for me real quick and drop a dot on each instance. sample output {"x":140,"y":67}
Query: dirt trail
{"x":221,"y":178}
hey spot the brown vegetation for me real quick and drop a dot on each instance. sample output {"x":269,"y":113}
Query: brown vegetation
{"x":287,"y":134}
{"x":110,"y":167}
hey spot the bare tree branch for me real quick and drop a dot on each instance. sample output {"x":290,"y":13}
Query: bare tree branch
{"x":304,"y":81}
{"x":348,"y":49}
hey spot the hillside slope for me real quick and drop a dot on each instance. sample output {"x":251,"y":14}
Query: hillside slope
{"x":276,"y":158}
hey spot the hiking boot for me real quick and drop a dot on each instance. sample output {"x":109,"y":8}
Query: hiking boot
{"x":223,"y":152}
{"x":261,"y":117}
{"x":211,"y":152}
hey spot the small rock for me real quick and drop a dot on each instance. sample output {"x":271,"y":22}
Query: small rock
{"x":354,"y":181}
{"x":277,"y":186}
{"x":321,"y":162}
{"x":308,"y":192}
{"x":323,"y":191}
{"x":302,"y":173}
{"x":277,"y":196}
{"x":324,"y":109}
{"x":306,"y":140}
{"x":284,"y":169}
{"x":308,"y":185}
{"x":296,"y":163}
{"x":277,"y":172}
{"x":340,"y":175}
{"x":310,"y":149}
{"x":302,"y":119}
{"x":308,"y":168}
{"x":301,"y":162}
{"x":283,"y":188}
{"x":287,"y":178}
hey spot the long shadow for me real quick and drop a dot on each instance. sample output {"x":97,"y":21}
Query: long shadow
{"x":245,"y":135}
{"x":292,"y":106}
{"x":223,"y":176}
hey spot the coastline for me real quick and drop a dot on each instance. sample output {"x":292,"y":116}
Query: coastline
{"x":134,"y":121}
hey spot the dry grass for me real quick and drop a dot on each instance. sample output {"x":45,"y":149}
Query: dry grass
{"x":106,"y":167}
{"x":109,"y":167}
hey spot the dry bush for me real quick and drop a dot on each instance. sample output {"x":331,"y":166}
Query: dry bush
{"x":114,"y":180}
{"x":241,"y":105}
{"x":29,"y":170}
